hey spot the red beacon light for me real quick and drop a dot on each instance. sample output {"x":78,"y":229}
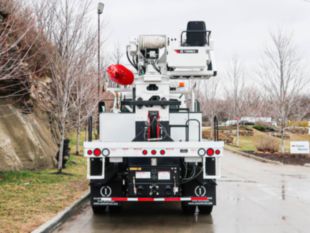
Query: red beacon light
{"x":120,"y":74}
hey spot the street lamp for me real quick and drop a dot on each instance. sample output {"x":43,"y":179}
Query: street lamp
{"x":99,"y":12}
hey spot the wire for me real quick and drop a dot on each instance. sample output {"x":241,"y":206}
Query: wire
{"x":155,"y":67}
{"x":131,"y":62}
{"x":193,"y":176}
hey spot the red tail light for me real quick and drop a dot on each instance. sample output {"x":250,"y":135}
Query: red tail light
{"x":210,"y":152}
{"x":162,"y":152}
{"x":89,"y":152}
{"x":97,"y":152}
{"x":144,"y":152}
{"x":217,"y":152}
{"x":153,"y":152}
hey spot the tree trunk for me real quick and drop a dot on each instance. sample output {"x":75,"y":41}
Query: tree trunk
{"x":78,"y":133}
{"x":77,"y":146}
{"x":238,"y":134}
{"x":60,"y":159}
{"x":282,"y":141}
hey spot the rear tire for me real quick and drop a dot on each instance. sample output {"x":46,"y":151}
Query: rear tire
{"x":206,"y":209}
{"x":98,"y":210}
{"x":115,"y":209}
{"x":188,"y":209}
{"x":191,"y":209}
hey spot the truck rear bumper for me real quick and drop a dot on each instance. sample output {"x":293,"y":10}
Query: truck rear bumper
{"x":115,"y":201}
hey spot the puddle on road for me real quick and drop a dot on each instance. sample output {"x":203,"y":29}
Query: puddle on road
{"x":237,"y":181}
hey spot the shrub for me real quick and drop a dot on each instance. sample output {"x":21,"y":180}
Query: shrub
{"x":223,"y":136}
{"x":267,"y":144}
{"x":264,"y":128}
{"x":298,"y":130}
{"x":298,"y":123}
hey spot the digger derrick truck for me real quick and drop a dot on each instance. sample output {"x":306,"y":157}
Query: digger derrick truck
{"x":150,"y":146}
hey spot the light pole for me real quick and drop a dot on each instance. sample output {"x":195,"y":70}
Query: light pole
{"x":99,"y":12}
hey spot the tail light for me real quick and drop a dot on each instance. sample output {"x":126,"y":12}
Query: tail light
{"x":144,"y":152}
{"x":97,"y":152}
{"x":162,"y":152}
{"x":217,"y":152}
{"x":153,"y":152}
{"x":89,"y":152}
{"x":210,"y":152}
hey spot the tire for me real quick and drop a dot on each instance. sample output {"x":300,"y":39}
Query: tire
{"x":188,"y":209}
{"x":98,"y":210}
{"x":206,"y":209}
{"x":191,"y":209}
{"x":115,"y":209}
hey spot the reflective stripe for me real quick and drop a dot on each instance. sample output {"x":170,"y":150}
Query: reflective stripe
{"x":151,"y":199}
{"x":199,"y":198}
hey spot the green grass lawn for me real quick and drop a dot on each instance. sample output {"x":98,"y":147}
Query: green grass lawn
{"x":247,"y":143}
{"x":29,"y":198}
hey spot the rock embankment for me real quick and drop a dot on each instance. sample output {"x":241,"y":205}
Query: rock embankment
{"x":25,"y":140}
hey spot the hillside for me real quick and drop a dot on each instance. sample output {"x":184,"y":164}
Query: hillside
{"x":25,"y":138}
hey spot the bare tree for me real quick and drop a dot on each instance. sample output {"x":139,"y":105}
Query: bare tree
{"x":22,"y":57}
{"x":282,"y":76}
{"x":117,"y":54}
{"x":207,"y":96}
{"x":67,"y":26}
{"x":235,"y":76}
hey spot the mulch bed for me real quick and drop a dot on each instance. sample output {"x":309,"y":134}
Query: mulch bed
{"x":294,"y":159}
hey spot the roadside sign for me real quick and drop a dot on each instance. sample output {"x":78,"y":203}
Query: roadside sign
{"x":300,"y":147}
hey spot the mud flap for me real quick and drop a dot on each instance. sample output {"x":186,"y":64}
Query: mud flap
{"x":99,"y":190}
{"x":200,"y":189}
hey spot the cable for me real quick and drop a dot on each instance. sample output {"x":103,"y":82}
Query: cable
{"x":193,"y":176}
{"x":155,"y":67}
{"x":131,"y":62}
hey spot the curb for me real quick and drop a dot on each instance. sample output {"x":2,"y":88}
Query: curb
{"x":252,"y":156}
{"x":62,"y":216}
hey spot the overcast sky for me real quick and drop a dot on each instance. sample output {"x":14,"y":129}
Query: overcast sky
{"x":239,"y":27}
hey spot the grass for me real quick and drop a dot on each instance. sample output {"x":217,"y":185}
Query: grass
{"x":29,"y":198}
{"x":247,"y":143}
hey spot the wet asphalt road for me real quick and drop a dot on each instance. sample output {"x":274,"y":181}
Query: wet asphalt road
{"x":252,"y":197}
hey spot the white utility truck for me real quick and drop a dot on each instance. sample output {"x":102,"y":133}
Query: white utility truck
{"x":150,"y":146}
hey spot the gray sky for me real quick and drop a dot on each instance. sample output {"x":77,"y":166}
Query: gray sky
{"x":239,"y":27}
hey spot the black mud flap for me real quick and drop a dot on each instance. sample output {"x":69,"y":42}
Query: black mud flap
{"x":200,"y":191}
{"x":100,"y":190}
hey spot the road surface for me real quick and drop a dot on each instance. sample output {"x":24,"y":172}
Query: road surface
{"x":252,"y":197}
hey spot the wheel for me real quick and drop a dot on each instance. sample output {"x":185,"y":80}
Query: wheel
{"x":206,"y":209}
{"x":188,"y":209}
{"x":191,"y":209}
{"x":115,"y":209}
{"x":98,"y":210}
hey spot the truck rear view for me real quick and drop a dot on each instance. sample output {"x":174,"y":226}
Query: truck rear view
{"x":150,"y":147}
